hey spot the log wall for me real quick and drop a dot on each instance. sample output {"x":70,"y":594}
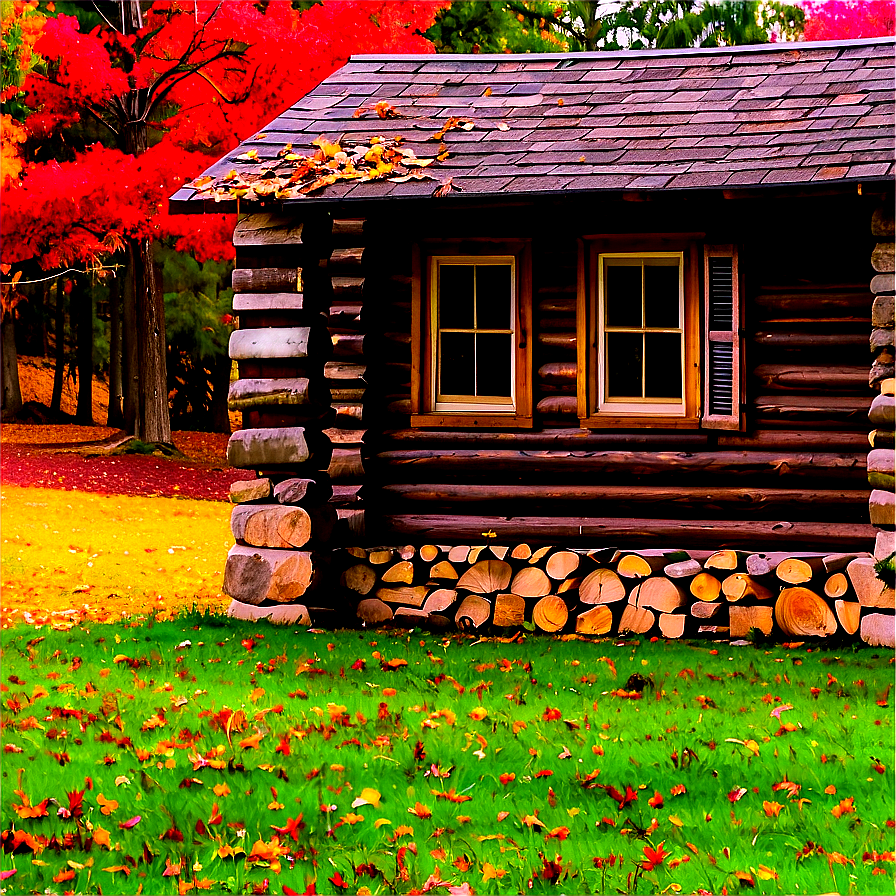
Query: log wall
{"x":799,"y":466}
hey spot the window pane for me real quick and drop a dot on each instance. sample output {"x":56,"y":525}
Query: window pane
{"x":456,"y":296}
{"x":493,"y":297}
{"x":661,"y":296}
{"x":662,"y":368}
{"x":624,"y":353}
{"x":493,"y":369}
{"x":456,"y":370}
{"x":623,"y":295}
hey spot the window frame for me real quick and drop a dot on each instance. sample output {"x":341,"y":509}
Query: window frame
{"x":426,"y":409}
{"x":595,"y":412}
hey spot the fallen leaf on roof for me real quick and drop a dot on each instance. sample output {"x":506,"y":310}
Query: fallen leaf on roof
{"x":445,"y":188}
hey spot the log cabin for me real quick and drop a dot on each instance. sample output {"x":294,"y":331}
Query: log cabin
{"x":586,"y":342}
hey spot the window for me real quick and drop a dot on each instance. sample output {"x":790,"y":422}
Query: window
{"x":639,"y":335}
{"x":471,"y":355}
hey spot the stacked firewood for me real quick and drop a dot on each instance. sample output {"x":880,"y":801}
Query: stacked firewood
{"x":672,"y":594}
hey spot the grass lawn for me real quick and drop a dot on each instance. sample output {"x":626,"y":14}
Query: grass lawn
{"x":192,"y":755}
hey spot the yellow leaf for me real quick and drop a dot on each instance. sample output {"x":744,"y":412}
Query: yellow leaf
{"x":752,"y":746}
{"x":533,"y":821}
{"x":380,"y":822}
{"x":352,"y":818}
{"x":573,"y":812}
{"x":674,"y":819}
{"x":368,"y":797}
{"x":766,"y":873}
{"x":221,"y":790}
{"x":478,"y":713}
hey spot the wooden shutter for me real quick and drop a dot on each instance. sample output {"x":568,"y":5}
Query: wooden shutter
{"x":723,"y":381}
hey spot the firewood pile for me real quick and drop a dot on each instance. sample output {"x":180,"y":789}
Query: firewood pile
{"x":671,"y":594}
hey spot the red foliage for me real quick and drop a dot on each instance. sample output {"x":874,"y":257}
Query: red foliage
{"x":216,"y":72}
{"x":846,"y":19}
{"x":129,"y":474}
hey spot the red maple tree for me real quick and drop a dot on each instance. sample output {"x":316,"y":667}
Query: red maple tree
{"x":163,"y":87}
{"x":846,"y":19}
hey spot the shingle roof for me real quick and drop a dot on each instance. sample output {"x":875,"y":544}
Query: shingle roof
{"x":775,"y":114}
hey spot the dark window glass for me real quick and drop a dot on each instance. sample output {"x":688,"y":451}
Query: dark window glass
{"x":623,"y":299}
{"x":456,"y":364}
{"x":662,"y":367}
{"x":493,"y":369}
{"x":456,"y":296}
{"x":624,"y":360}
{"x":661,"y":296}
{"x":493,"y":296}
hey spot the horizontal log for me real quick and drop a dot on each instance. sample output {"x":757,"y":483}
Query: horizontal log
{"x":253,"y":575}
{"x":267,"y":229}
{"x":307,"y":492}
{"x":585,"y":530}
{"x":263,"y":447}
{"x":819,"y":303}
{"x":344,"y":287}
{"x":796,"y":439}
{"x":557,"y":340}
{"x":882,"y":311}
{"x":882,"y":222}
{"x":273,"y":280}
{"x":343,"y":370}
{"x":244,"y":491}
{"x":566,"y":438}
{"x":787,"y":377}
{"x":271,"y":525}
{"x":348,"y":436}
{"x":346,"y":227}
{"x":880,"y":438}
{"x":457,"y":461}
{"x":641,"y":494}
{"x":270,"y":301}
{"x":286,"y":342}
{"x":825,"y":405}
{"x":809,"y":340}
{"x":348,"y":345}
{"x":558,"y":303}
{"x":346,"y":465}
{"x":559,"y":372}
{"x":251,"y":393}
{"x":350,"y":259}
{"x":883,"y":283}
{"x":882,"y":413}
{"x":558,"y":406}
{"x":882,"y":508}
{"x":883,"y":257}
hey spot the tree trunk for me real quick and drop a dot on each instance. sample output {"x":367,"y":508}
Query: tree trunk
{"x":12,"y":392}
{"x":116,"y":409}
{"x":130,"y":366}
{"x":84,"y":351}
{"x":151,"y":420}
{"x":59,"y":372}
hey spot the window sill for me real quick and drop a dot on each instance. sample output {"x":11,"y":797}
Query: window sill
{"x":632,"y":421}
{"x":471,"y":421}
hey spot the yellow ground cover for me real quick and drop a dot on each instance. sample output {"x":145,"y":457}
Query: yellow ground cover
{"x":73,"y":556}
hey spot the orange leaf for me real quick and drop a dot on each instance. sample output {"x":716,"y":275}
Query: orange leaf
{"x":772,"y":810}
{"x":845,"y":807}
{"x":107,"y":807}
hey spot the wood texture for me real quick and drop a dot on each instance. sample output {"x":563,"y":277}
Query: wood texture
{"x":696,"y":533}
{"x":254,"y":575}
{"x":801,"y":613}
{"x":550,"y":614}
{"x":259,"y":448}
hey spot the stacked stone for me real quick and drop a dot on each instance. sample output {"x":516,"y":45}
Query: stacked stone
{"x":878,"y":623}
{"x":282,"y":344}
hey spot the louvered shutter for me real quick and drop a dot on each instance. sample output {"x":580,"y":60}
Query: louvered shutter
{"x":723,"y":380}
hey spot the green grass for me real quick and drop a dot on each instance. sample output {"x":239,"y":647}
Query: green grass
{"x":297,"y":724}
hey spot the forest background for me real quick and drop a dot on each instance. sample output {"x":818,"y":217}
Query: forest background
{"x":106,"y":108}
